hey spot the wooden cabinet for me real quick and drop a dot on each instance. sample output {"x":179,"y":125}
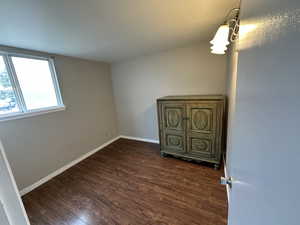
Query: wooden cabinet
{"x":191,"y":127}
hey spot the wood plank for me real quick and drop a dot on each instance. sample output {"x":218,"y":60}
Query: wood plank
{"x":128,"y":183}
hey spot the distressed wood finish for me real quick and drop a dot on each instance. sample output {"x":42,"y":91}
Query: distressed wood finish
{"x":128,"y":183}
{"x":175,"y":129}
{"x":201,"y":120}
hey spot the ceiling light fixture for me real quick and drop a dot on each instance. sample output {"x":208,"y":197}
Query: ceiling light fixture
{"x":229,"y":28}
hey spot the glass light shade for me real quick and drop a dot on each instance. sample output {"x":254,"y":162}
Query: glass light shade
{"x":218,"y":52}
{"x":218,"y":49}
{"x":221,"y":47}
{"x":221,"y":37}
{"x":220,"y":40}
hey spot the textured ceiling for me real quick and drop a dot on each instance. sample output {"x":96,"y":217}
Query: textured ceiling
{"x":109,"y":30}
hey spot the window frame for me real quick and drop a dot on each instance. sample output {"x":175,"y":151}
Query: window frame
{"x":23,"y":111}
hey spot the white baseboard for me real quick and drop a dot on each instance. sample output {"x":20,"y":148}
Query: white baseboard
{"x":64,"y":168}
{"x":140,"y":139}
{"x":69,"y":165}
{"x":227,"y":186}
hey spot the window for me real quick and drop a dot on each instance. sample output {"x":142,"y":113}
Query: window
{"x":28,"y":86}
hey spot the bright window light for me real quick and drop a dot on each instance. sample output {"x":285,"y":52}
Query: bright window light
{"x":36,"y":82}
{"x":8,"y":102}
{"x":28,"y":85}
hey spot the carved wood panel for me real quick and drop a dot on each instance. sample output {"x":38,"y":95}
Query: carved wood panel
{"x":201,"y":145}
{"x":175,"y":142}
{"x":201,"y":119}
{"x":174,"y":127}
{"x":201,"y":129}
{"x":173,"y":117}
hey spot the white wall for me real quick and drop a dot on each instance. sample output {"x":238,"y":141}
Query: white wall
{"x":264,"y":154}
{"x":139,"y":82}
{"x":11,"y":207}
{"x":39,"y":145}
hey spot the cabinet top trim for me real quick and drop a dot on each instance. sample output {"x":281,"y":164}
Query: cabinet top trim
{"x":192,"y":97}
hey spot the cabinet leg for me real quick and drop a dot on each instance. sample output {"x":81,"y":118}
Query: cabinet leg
{"x":217,"y":166}
{"x":162,"y":154}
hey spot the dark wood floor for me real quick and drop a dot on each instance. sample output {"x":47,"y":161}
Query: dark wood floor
{"x":129,"y":183}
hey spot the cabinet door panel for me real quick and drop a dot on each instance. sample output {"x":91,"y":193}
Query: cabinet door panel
{"x":201,"y":129}
{"x":174,"y":127}
{"x":201,"y":120}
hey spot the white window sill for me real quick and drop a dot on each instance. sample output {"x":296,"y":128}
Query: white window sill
{"x":22,"y":115}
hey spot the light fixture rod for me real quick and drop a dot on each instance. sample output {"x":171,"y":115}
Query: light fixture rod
{"x":233,"y":24}
{"x":230,"y":13}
